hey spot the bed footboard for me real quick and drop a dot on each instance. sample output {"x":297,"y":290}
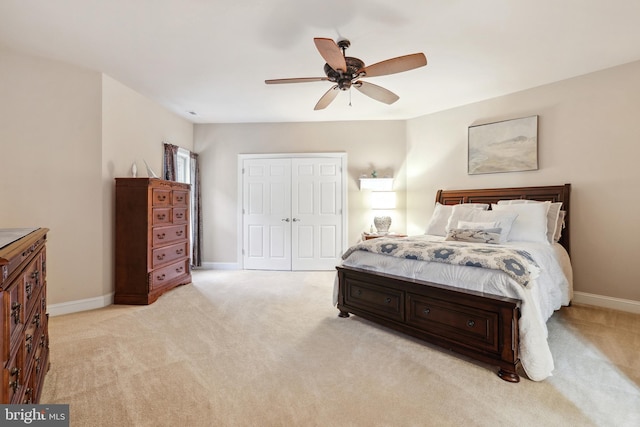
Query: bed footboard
{"x":475,"y":324}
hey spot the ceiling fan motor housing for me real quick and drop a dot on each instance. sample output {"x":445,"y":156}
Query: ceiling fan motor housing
{"x":344,"y":79}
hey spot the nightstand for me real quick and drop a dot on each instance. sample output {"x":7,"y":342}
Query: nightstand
{"x":369,"y":236}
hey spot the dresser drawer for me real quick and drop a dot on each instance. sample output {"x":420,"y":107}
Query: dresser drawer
{"x":165,"y":275}
{"x":16,"y":314}
{"x":161,"y":216}
{"x":165,"y":235}
{"x":33,"y":282}
{"x":14,"y":377}
{"x":167,"y":254}
{"x":454,"y":322}
{"x":180,"y":215}
{"x":375,"y":299}
{"x":161,"y":197}
{"x":180,"y":198}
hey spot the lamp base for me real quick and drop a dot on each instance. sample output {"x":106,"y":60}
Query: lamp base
{"x":382,"y":224}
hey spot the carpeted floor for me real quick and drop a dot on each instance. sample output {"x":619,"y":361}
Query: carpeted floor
{"x":254,"y":348}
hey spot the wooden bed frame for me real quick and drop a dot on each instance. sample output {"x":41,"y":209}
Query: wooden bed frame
{"x":479,"y":325}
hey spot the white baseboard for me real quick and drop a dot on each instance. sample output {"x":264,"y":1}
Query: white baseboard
{"x":220,"y":266}
{"x":80,"y":305}
{"x":630,"y":306}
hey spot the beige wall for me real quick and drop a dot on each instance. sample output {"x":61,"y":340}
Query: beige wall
{"x":588,"y":136}
{"x":133,"y":130}
{"x":65,"y":133}
{"x":50,"y":164}
{"x":367,"y":144}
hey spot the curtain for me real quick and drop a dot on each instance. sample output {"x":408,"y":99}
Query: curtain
{"x":170,"y":165}
{"x":170,"y":161}
{"x":196,"y":212}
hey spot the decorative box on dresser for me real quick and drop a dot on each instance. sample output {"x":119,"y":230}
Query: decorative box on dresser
{"x":152,"y":238}
{"x":24,"y":343}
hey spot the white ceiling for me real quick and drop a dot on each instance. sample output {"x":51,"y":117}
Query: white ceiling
{"x":212,"y":57}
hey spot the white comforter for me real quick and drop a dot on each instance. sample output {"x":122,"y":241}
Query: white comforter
{"x":552,"y":289}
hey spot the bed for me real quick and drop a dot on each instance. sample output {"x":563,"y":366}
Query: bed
{"x":485,"y":314}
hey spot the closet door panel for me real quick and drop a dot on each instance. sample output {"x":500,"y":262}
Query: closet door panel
{"x":267,"y":214}
{"x":316,"y":213}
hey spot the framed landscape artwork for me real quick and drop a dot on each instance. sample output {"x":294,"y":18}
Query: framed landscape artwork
{"x":507,"y":146}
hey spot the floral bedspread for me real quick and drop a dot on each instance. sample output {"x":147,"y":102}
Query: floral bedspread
{"x":518,"y":264}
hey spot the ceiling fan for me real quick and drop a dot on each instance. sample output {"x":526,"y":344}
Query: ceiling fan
{"x":346,"y":71}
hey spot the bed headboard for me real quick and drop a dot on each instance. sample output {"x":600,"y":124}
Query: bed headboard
{"x":553,"y":193}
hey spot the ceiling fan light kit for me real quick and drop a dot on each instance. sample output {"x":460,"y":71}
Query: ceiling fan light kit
{"x":346,"y":72}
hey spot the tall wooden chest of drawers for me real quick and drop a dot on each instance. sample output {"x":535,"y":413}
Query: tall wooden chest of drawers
{"x":24,"y":343}
{"x":152,"y":238}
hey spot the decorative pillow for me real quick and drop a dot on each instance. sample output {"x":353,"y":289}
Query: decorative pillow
{"x":553,"y":215}
{"x":476,"y":225}
{"x":502,"y":220}
{"x":489,"y":235}
{"x":438,"y":223}
{"x":531,"y":223}
{"x":463,"y":212}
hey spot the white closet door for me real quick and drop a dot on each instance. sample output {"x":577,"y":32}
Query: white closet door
{"x":316,"y":213}
{"x":267,"y":214}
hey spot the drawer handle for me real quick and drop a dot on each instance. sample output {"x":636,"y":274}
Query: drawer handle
{"x":15,"y":372}
{"x":426,"y":311}
{"x":160,"y":277}
{"x":36,"y":320}
{"x":160,"y":236}
{"x":27,"y":396}
{"x":28,"y":342}
{"x":15,"y":312}
{"x":162,"y":216}
{"x":179,"y":198}
{"x":179,"y":233}
{"x":359,"y":291}
{"x":179,"y":269}
{"x":162,"y":197}
{"x":160,"y":257}
{"x":387,"y":300}
{"x":179,"y":251}
{"x":27,"y":290}
{"x":471,"y":323}
{"x":179,"y":215}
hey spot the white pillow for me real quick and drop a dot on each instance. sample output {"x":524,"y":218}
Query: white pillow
{"x":554,"y":223}
{"x":559,"y":226}
{"x":463,"y":212}
{"x":438,"y":224}
{"x":502,"y":220}
{"x":531,"y":223}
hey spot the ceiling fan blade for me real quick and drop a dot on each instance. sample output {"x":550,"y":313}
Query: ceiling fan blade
{"x":395,"y":65}
{"x":296,"y":80}
{"x":376,"y":92}
{"x":331,"y":53}
{"x":327,"y":98}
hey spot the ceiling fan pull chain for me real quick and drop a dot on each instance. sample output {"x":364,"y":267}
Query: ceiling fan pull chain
{"x":350,"y":99}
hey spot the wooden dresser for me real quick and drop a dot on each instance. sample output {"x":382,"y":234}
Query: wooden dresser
{"x":152,"y":238}
{"x":24,"y":343}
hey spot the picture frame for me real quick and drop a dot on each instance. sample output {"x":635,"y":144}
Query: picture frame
{"x":505,"y":146}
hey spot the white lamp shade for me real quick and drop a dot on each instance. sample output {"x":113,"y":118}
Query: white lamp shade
{"x":383,"y":200}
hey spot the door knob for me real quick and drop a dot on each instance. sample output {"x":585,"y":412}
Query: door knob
{"x":296,"y":219}
{"x":285,"y":219}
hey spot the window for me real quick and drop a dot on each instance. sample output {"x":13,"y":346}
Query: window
{"x":183,"y":166}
